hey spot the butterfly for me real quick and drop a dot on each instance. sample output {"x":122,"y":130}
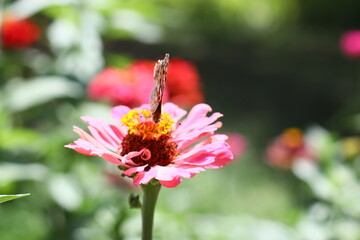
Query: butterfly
{"x":160,"y":71}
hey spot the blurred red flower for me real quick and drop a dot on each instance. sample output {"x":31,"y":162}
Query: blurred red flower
{"x":287,"y":148}
{"x":18,"y":33}
{"x":350,"y":43}
{"x":184,"y":83}
{"x":142,"y":72}
{"x":127,"y":86}
{"x":114,"y":86}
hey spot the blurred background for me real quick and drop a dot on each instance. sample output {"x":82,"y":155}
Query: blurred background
{"x":285,"y":74}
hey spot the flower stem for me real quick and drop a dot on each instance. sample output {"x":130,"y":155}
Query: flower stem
{"x":151,"y":192}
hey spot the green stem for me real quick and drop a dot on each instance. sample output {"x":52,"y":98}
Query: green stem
{"x":151,"y":192}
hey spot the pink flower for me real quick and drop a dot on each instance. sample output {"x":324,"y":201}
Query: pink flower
{"x":167,"y":151}
{"x":127,"y":86}
{"x":237,"y":144}
{"x":287,"y":148}
{"x":350,"y":44}
{"x":123,"y":86}
{"x":182,"y":81}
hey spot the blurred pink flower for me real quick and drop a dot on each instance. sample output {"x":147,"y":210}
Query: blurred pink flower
{"x":18,"y":33}
{"x":237,"y":144}
{"x":287,"y":148}
{"x":127,"y":86}
{"x":113,"y":85}
{"x":165,"y":151}
{"x":350,"y":43}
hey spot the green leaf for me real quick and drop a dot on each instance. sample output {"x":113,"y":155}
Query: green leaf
{"x":4,"y":198}
{"x":20,"y":94}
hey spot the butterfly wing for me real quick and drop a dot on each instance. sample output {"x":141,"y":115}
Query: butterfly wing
{"x":160,"y":72}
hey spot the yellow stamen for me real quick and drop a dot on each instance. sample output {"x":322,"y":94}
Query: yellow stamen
{"x":139,"y":122}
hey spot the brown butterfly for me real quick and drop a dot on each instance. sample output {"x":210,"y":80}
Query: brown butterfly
{"x":160,"y":71}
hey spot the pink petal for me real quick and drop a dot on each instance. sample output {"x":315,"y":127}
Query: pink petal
{"x":204,"y":147}
{"x":195,"y":126}
{"x":198,"y":123}
{"x":213,"y":153}
{"x":102,"y":139}
{"x":174,"y":111}
{"x":110,"y":157}
{"x":145,"y":176}
{"x":167,"y":173}
{"x":128,"y":157}
{"x":87,"y":137}
{"x":118,"y":112}
{"x":186,"y":140}
{"x":82,"y":150}
{"x":176,"y":179}
{"x":222,"y":159}
{"x":197,"y":117}
{"x":88,"y":148}
{"x":161,"y":173}
{"x":104,"y":131}
{"x":87,"y":144}
{"x":198,"y":111}
{"x":133,"y":170}
{"x":200,"y":159}
{"x":171,"y":184}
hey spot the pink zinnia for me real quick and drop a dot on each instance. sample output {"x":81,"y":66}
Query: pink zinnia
{"x":127,"y":86}
{"x":350,"y":44}
{"x":167,"y":151}
{"x":123,"y":86}
{"x":182,"y":82}
{"x":115,"y":86}
{"x":287,"y":148}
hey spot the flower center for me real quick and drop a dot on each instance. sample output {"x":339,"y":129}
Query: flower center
{"x":292,"y":138}
{"x":143,"y":133}
{"x":139,"y":123}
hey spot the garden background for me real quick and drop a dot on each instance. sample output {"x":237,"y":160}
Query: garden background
{"x":266,"y":65}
